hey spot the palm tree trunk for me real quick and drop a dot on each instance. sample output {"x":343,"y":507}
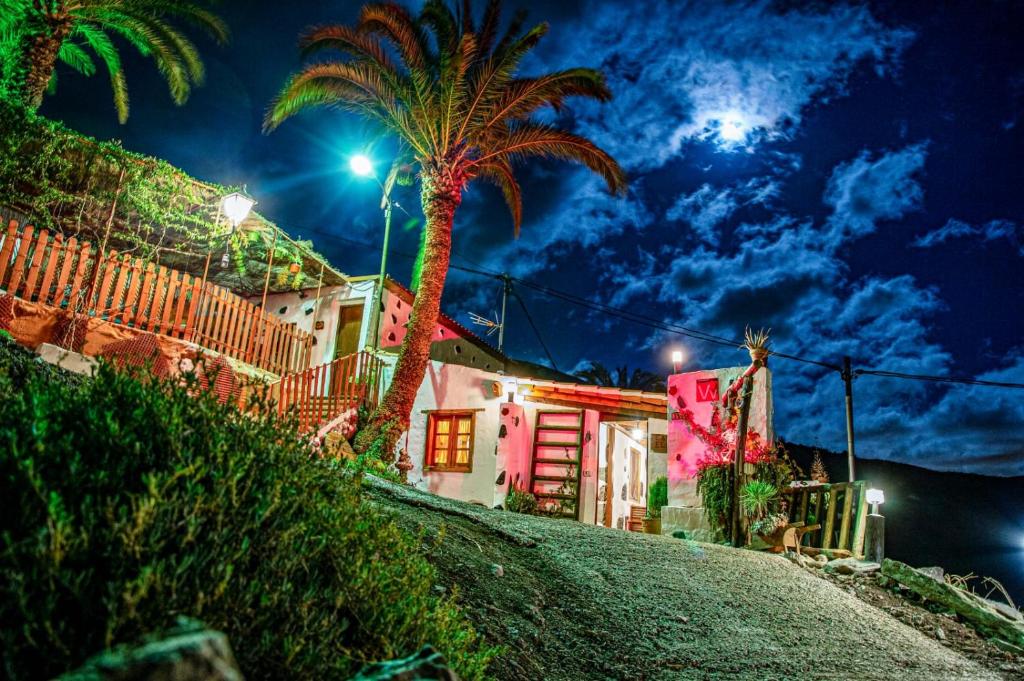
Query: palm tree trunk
{"x":38,"y":60}
{"x":440,"y":195}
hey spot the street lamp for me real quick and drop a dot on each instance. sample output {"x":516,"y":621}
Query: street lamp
{"x":362,"y":166}
{"x":677,"y":361}
{"x":235,"y":207}
{"x":874,"y":533}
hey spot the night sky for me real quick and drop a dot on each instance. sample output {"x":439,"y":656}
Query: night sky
{"x":848,"y":175}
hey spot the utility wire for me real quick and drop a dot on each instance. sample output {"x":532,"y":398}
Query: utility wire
{"x":936,"y":379}
{"x":677,"y":329}
{"x":535,"y":330}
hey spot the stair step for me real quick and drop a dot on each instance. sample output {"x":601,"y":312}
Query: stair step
{"x":543,"y":427}
{"x":552,"y":478}
{"x":555,"y":444}
{"x":566,"y":462}
{"x":554,"y":495}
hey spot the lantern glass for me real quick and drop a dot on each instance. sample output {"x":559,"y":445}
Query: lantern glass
{"x":236,"y":207}
{"x":875,"y":496}
{"x":638,"y":434}
{"x":677,"y":357}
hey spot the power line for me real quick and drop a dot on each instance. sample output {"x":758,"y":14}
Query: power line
{"x":678,"y":329}
{"x":536,"y":331}
{"x":936,"y":379}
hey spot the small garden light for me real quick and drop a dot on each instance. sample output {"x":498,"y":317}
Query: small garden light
{"x":875,"y":497}
{"x":361,"y":165}
{"x":874,"y":535}
{"x":236,"y":207}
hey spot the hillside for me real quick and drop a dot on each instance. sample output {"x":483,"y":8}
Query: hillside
{"x":573,"y":601}
{"x":983,"y":534}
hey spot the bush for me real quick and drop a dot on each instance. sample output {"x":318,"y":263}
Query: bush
{"x":129,"y":503}
{"x":657,"y":497}
{"x":520,"y":501}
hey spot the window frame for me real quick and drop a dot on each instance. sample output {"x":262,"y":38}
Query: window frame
{"x":429,"y":454}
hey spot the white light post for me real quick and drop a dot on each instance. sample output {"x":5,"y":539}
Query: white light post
{"x":362,"y":166}
{"x":874,"y":533}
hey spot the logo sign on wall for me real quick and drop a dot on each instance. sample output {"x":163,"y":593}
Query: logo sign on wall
{"x":707,"y":390}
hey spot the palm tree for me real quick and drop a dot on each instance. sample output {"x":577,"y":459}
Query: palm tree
{"x":640,"y":379}
{"x":39,"y":33}
{"x":448,"y":90}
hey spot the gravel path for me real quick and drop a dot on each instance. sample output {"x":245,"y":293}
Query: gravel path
{"x":571,"y":601}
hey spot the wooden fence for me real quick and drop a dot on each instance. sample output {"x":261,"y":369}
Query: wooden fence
{"x":322,"y":393}
{"x":39,"y":267}
{"x":840,"y":508}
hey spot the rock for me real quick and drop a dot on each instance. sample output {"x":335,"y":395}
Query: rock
{"x":974,"y":609}
{"x":497,"y":570}
{"x":935,"y":572}
{"x":940,"y":634}
{"x":426,"y":664}
{"x":187,"y":653}
{"x":852,"y":566}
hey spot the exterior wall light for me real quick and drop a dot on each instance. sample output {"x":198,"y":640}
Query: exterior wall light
{"x":637,"y":434}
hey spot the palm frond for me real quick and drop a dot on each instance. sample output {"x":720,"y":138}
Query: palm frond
{"x":539,"y":140}
{"x":500,"y":174}
{"x":74,"y":56}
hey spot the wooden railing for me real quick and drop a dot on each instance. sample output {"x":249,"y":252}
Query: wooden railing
{"x":839,"y":508}
{"x":322,"y":393}
{"x":68,"y":274}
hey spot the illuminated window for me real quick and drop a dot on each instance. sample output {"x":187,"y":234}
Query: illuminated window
{"x":450,"y":441}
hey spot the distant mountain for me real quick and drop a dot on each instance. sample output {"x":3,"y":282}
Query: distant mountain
{"x":963,"y":522}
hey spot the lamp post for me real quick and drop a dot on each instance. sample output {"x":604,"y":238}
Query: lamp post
{"x":362,"y":166}
{"x":874,"y":533}
{"x":235,"y":207}
{"x":677,"y":361}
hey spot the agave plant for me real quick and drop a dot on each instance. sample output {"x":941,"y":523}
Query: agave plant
{"x":448,"y":89}
{"x":756,"y":496}
{"x":756,"y":343}
{"x":36,"y":34}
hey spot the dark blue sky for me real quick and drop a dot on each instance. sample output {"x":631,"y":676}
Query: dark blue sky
{"x":846,"y":174}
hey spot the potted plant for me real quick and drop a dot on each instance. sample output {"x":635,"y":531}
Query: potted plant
{"x":759,"y":501}
{"x":657,"y":497}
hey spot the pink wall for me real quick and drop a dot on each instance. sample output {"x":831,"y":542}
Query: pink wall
{"x":700,"y":391}
{"x":588,"y":482}
{"x":396,"y":316}
{"x":513,"y":450}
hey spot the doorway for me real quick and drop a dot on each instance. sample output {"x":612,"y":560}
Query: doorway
{"x":350,"y":324}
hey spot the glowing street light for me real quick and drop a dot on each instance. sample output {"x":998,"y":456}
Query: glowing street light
{"x":236,"y":207}
{"x":361,"y":165}
{"x":677,"y":361}
{"x":637,"y":434}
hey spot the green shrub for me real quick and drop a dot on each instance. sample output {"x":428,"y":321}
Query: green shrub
{"x":714,"y":484}
{"x":657,"y":497}
{"x":520,"y":501}
{"x":128,"y":504}
{"x":756,"y":496}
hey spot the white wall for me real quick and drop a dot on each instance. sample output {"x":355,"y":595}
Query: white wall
{"x":332,"y":298}
{"x":449,"y":386}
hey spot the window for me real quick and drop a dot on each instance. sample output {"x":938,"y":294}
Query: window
{"x":450,"y":441}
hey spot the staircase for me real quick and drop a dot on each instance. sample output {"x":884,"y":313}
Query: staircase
{"x":557,"y":459}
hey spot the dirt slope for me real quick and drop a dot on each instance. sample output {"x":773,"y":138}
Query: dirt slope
{"x":573,"y":601}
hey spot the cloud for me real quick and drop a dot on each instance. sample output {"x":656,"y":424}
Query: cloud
{"x":992,"y":230}
{"x":706,"y":208}
{"x":748,"y":65}
{"x":869,"y":189}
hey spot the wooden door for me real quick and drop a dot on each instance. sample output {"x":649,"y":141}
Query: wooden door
{"x":350,"y":323}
